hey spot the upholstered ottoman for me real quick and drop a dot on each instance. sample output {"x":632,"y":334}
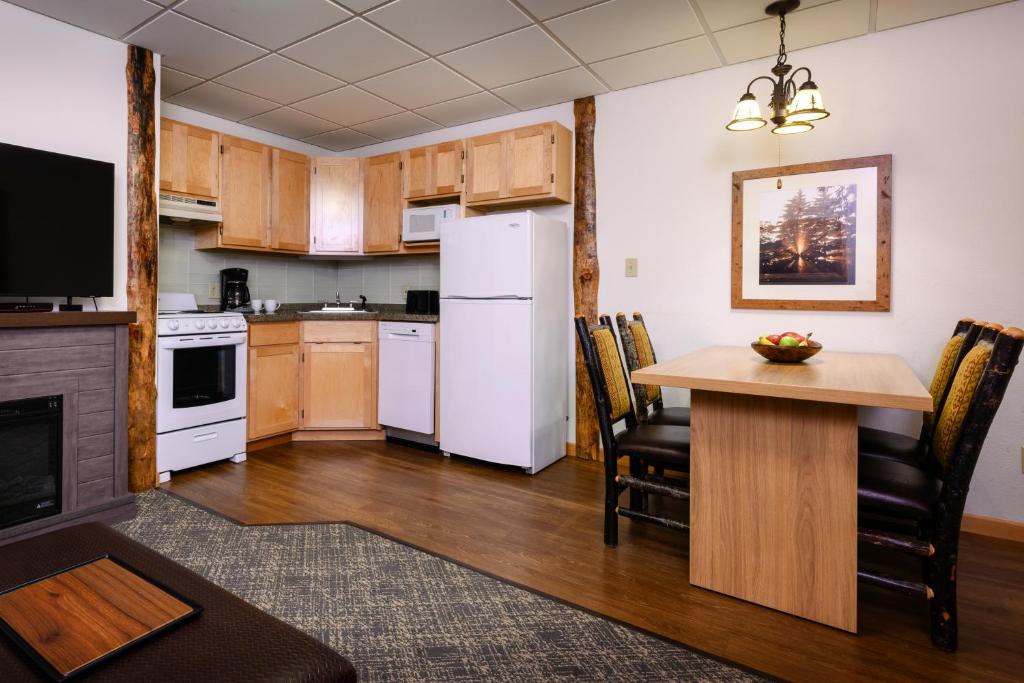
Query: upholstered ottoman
{"x":230,"y":641}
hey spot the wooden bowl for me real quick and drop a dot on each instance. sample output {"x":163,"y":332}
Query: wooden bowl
{"x":787,"y":354}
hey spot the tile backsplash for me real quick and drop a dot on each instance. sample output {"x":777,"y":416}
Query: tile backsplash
{"x":290,"y":279}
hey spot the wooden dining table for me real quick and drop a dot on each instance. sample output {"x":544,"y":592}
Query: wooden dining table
{"x":773,"y":471}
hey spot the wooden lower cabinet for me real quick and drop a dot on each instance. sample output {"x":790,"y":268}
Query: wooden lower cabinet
{"x":339,"y":388}
{"x":273,"y":379}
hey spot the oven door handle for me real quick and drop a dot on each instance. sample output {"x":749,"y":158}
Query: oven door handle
{"x":199,"y":341}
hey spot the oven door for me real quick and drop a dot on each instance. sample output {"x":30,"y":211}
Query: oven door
{"x":200,"y":380}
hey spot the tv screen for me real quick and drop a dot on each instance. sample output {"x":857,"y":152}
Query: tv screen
{"x":56,"y":224}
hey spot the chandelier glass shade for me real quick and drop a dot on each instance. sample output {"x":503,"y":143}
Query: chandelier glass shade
{"x":792,"y":107}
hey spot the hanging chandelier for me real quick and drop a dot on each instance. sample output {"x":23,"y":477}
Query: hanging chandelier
{"x":793,"y":108}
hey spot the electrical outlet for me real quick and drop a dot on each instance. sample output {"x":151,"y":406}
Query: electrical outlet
{"x":212,"y":291}
{"x":631,"y":267}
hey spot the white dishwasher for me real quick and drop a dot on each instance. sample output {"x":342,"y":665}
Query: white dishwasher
{"x":405,"y":392}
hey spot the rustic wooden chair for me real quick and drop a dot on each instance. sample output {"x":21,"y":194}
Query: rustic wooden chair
{"x":639,"y":352}
{"x":666,"y":446}
{"x":930,"y":505}
{"x":878,"y":443}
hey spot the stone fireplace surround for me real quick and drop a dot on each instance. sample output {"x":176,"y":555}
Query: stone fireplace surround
{"x":87,"y":365}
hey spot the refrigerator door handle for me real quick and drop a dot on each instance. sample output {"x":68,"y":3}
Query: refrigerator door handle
{"x":511,"y":297}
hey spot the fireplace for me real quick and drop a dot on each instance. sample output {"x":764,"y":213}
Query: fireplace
{"x":30,"y":459}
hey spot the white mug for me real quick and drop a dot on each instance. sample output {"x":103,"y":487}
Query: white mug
{"x":257,"y":305}
{"x":271,"y":305}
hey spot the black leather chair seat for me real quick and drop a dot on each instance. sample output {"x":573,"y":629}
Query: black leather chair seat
{"x":667,"y":445}
{"x":670,"y":416}
{"x":878,"y":443}
{"x":896,"y":489}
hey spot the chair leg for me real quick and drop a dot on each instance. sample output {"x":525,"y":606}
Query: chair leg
{"x":942,"y":570}
{"x":611,"y":501}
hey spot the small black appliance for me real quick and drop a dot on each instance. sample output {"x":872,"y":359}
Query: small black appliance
{"x":234,"y":290}
{"x":422,"y":302}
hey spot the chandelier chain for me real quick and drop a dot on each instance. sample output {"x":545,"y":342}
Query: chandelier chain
{"x":782,"y":39}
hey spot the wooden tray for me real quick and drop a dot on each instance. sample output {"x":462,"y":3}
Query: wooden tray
{"x":74,"y":619}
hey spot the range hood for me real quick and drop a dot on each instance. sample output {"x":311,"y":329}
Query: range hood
{"x":175,"y":208}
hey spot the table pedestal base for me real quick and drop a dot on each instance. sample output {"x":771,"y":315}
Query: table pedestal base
{"x":774,"y":503}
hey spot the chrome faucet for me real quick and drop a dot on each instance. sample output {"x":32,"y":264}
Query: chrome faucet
{"x":337,"y":298}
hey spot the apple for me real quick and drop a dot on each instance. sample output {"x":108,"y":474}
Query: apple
{"x":774,"y":338}
{"x":766,"y":341}
{"x":799,"y":337}
{"x":789,"y":341}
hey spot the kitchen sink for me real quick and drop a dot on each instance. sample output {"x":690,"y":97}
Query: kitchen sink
{"x":336,"y":309}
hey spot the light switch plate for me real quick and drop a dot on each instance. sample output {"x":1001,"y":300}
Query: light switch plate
{"x":212,"y":291}
{"x":631,"y":267}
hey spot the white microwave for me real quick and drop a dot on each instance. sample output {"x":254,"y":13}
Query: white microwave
{"x":423,"y":223}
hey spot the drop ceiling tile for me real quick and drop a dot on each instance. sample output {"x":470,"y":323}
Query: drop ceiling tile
{"x":341,"y":139}
{"x":893,"y":13}
{"x":173,"y":82}
{"x":619,"y":26}
{"x":280,"y":80}
{"x":813,"y":26}
{"x":353,"y":51}
{"x":362,"y":5}
{"x":398,"y":126}
{"x":347,"y":106}
{"x":290,"y":123}
{"x":510,"y":58}
{"x":419,"y":85}
{"x":545,"y":9}
{"x":269,"y":23}
{"x":214,"y":98}
{"x":111,"y":18}
{"x":193,"y":48}
{"x":441,"y":25}
{"x":728,"y":13}
{"x":659,"y":63}
{"x":482,"y":105}
{"x":552,"y":89}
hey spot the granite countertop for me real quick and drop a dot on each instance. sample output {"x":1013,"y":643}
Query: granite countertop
{"x":295,"y":312}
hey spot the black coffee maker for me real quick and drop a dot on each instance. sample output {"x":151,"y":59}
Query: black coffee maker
{"x":234,"y":292}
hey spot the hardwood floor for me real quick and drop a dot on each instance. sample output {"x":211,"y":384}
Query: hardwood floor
{"x":545,"y":532}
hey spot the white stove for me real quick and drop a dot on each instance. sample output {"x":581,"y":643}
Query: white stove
{"x":201,"y":385}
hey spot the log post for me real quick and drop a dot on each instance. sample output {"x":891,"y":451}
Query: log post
{"x":585,"y":270}
{"x":142,"y":267}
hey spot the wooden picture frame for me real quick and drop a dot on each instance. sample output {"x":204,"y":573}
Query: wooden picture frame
{"x":879,"y":247}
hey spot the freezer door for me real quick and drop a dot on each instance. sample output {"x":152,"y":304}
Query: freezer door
{"x":487,"y":257}
{"x":486,"y":392}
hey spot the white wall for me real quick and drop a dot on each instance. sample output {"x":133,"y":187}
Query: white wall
{"x":63,"y":90}
{"x":938,"y":96}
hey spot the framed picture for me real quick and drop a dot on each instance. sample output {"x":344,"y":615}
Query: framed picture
{"x":820,"y":242}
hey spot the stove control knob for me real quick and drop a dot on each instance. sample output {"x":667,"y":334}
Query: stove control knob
{"x":200,"y":324}
{"x":172,"y":324}
{"x":236,"y":323}
{"x":224,"y":323}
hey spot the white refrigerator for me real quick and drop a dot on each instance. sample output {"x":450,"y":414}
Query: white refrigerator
{"x":504,"y":335}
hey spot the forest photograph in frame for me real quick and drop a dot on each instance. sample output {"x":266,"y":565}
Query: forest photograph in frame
{"x":818,"y":242}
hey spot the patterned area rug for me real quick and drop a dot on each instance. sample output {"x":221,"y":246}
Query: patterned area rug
{"x":401,"y":614}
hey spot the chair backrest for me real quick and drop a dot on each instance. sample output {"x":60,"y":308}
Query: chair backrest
{"x":639,"y":352}
{"x":607,"y":378}
{"x":974,"y":396}
{"x":965,"y":336}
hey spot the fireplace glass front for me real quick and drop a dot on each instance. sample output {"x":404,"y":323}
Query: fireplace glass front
{"x":30,"y":459}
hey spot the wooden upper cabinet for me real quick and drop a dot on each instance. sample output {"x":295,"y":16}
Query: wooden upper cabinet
{"x":336,"y":205}
{"x":532,"y":164}
{"x":433,"y":171}
{"x":245,"y":193}
{"x":189,"y":160}
{"x":382,"y":203}
{"x":289,"y":223}
{"x":485,"y":168}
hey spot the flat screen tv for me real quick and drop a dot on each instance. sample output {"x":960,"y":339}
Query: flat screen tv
{"x":56,"y":224}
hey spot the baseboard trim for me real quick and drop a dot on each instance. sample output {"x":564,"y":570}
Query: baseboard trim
{"x":267,"y":442}
{"x":1006,"y":529}
{"x":340,"y":435}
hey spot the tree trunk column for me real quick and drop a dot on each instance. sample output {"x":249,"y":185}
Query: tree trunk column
{"x":142,"y":267}
{"x":585,"y":270}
